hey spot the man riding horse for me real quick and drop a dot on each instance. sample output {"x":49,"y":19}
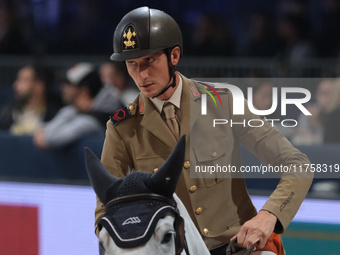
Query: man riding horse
{"x":142,"y":135}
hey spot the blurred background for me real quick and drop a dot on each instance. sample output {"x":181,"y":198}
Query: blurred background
{"x":242,"y":33}
{"x":47,"y":47}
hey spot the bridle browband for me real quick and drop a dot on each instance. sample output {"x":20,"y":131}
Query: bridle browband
{"x":142,"y":196}
{"x":145,"y":196}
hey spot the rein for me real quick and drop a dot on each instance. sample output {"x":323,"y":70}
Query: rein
{"x":144,"y":196}
{"x":229,"y":248}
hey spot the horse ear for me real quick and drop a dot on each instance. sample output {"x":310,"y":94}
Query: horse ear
{"x":99,"y":177}
{"x":164,"y":181}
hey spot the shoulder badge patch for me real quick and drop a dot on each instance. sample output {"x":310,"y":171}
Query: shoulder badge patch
{"x":120,"y":115}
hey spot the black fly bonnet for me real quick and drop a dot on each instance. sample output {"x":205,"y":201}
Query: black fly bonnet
{"x":136,"y":203}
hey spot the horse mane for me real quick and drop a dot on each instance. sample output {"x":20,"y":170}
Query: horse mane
{"x":130,"y":171}
{"x":194,"y":240}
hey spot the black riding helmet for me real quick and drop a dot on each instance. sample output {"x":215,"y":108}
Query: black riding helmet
{"x":144,"y":31}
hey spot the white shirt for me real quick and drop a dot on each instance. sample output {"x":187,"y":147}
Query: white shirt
{"x":175,"y":99}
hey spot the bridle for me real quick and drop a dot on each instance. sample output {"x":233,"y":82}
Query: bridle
{"x":180,"y":244}
{"x":180,"y":241}
{"x":142,"y":196}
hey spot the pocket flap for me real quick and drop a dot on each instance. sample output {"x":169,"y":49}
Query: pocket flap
{"x":212,"y":149}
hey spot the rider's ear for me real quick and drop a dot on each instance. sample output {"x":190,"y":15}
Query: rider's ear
{"x":175,"y":55}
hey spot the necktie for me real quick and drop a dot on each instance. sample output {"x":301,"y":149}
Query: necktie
{"x":169,"y":111}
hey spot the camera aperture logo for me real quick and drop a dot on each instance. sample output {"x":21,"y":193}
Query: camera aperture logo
{"x":238,"y":105}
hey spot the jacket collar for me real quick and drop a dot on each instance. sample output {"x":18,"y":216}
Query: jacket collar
{"x":152,"y":116}
{"x":153,"y":122}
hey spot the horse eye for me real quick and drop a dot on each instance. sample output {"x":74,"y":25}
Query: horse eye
{"x":167,"y":237}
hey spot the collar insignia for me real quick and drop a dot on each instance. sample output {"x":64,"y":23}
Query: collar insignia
{"x":141,"y":106}
{"x":130,"y":38}
{"x":194,"y":90}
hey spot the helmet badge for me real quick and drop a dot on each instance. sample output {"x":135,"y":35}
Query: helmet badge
{"x":130,"y":38}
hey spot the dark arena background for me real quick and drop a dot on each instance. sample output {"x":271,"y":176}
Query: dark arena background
{"x":46,"y":203}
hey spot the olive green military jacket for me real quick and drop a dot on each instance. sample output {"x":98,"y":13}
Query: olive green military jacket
{"x":140,"y":140}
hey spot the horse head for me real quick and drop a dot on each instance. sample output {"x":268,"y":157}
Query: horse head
{"x":141,"y":214}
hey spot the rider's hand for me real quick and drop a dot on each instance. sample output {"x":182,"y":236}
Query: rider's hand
{"x":257,"y":230}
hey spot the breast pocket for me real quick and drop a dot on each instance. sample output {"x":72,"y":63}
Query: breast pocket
{"x":213,"y":159}
{"x":150,"y":164}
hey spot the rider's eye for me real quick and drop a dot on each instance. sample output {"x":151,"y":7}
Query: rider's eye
{"x":150,"y":59}
{"x":167,"y":237}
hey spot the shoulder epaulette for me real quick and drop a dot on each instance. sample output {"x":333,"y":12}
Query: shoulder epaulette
{"x":194,"y":89}
{"x":211,"y":87}
{"x":123,"y":113}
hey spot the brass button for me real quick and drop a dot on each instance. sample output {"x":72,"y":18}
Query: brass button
{"x":205,"y":231}
{"x":193,"y":188}
{"x":186,"y":164}
{"x":155,"y":170}
{"x":131,"y":107}
{"x":199,"y":210}
{"x":214,"y":154}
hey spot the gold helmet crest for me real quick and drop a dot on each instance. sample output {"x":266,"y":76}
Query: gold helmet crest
{"x":130,"y":38}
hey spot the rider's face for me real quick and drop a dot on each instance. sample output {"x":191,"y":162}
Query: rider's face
{"x":151,"y":73}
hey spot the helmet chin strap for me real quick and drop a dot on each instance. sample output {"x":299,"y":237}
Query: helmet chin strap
{"x":172,"y":84}
{"x":172,"y":74}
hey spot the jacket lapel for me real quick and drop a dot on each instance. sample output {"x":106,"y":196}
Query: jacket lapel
{"x":190,"y":110}
{"x":185,"y":107}
{"x":153,"y":122}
